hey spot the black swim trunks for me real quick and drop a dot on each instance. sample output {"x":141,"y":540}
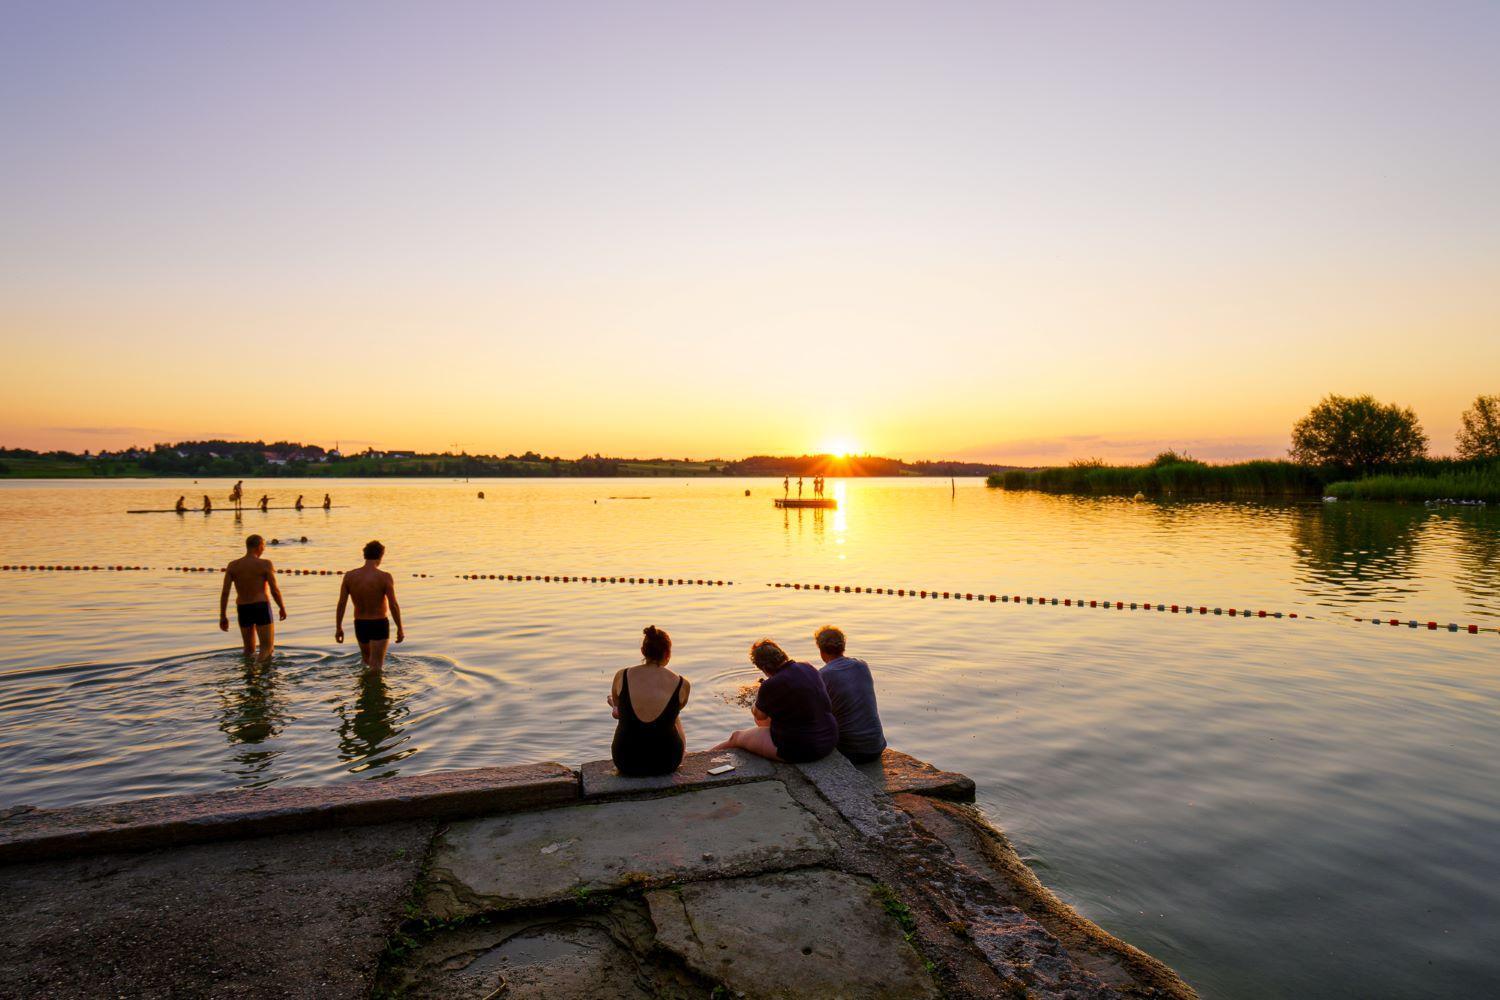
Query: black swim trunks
{"x":255,"y":614}
{"x":372,"y":629}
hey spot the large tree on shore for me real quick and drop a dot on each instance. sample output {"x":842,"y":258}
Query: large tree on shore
{"x":1357,"y":434}
{"x":1479,"y":437}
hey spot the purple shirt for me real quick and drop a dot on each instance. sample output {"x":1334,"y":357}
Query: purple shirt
{"x":802,"y":723}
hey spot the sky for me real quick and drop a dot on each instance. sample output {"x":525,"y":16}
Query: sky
{"x":1014,"y":232}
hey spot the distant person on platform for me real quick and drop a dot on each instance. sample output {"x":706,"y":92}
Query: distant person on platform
{"x":851,"y":690}
{"x":237,"y":494}
{"x":208,"y":505}
{"x":327,"y":501}
{"x":786,"y":486}
{"x":181,"y":505}
{"x":254,"y":580}
{"x":372,"y":589}
{"x":799,"y":487}
{"x":793,"y":718}
{"x":647,"y":698}
{"x":265,"y":502}
{"x":298,"y":504}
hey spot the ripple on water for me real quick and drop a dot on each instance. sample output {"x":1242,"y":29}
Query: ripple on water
{"x":209,"y":719}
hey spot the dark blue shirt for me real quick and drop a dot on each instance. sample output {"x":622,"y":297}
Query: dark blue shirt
{"x":851,"y":690}
{"x":802,"y":723}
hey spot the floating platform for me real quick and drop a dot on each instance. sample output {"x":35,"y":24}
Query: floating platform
{"x":241,"y":510}
{"x":819,"y":503}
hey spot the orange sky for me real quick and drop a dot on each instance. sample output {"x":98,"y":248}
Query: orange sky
{"x":1006,"y":234}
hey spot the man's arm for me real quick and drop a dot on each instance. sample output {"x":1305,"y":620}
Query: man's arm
{"x":275,"y":590}
{"x":390,"y":595}
{"x":338,"y":623}
{"x":224,"y":603}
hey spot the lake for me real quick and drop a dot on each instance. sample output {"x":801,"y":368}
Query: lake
{"x":1276,"y":807}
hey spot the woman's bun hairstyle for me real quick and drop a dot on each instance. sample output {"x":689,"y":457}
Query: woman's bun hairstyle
{"x":656,"y":644}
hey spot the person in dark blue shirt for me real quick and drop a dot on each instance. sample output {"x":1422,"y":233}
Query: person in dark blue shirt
{"x":793,"y":717}
{"x":851,"y":689}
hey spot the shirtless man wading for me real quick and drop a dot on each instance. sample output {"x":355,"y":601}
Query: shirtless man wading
{"x":252,"y":577}
{"x":372,"y":588}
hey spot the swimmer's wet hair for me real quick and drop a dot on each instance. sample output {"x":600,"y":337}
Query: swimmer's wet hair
{"x":655,"y":645}
{"x":254,"y":542}
{"x":768,"y":656}
{"x":374,"y":550}
{"x":830,"y":640}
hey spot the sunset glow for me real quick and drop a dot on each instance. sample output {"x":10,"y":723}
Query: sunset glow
{"x":990,"y":234}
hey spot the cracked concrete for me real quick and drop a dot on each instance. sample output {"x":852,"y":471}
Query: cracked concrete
{"x":809,"y":934}
{"x":526,"y":859}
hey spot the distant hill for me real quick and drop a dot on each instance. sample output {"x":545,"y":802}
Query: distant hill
{"x":219,"y":458}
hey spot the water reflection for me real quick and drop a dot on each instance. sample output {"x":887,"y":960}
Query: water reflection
{"x":1477,"y":557}
{"x":370,"y":734}
{"x":252,"y":712}
{"x":1349,"y":554}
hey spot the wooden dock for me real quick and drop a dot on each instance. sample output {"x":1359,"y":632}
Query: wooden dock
{"x":820,"y":503}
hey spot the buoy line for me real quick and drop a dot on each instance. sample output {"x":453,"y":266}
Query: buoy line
{"x":1078,"y":602}
{"x":552,"y":578}
{"x":904,"y":592}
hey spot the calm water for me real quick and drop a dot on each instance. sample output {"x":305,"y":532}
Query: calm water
{"x":1276,"y":808}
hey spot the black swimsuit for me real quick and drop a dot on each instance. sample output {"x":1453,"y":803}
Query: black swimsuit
{"x":251,"y":615}
{"x":646,"y":748}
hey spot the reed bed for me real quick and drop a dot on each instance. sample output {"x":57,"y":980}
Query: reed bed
{"x":1481,"y":483}
{"x":1172,"y":478}
{"x":1171,"y":475}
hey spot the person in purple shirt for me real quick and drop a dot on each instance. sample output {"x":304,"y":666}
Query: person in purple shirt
{"x":793,"y":717}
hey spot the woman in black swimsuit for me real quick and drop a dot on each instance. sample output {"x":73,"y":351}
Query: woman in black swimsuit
{"x":647,"y":699}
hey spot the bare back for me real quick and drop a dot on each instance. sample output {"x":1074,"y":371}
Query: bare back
{"x":251,"y":576}
{"x":651,"y":688}
{"x":368,"y":589}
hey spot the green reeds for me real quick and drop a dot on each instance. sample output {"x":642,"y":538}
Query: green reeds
{"x":1459,"y":483}
{"x":1177,"y":477}
{"x":1428,"y":479}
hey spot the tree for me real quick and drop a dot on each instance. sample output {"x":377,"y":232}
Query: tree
{"x":1479,"y":437}
{"x":1357,"y":434}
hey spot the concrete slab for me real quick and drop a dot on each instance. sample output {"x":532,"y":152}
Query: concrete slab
{"x":303,"y":915}
{"x":531,"y":858}
{"x":172,"y":820}
{"x":600,"y":779}
{"x":596,"y":953}
{"x":896,"y":773}
{"x":814,"y":933}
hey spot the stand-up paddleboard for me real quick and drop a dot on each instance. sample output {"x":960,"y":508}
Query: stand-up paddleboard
{"x":242,"y":510}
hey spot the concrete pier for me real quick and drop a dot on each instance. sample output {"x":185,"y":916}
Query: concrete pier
{"x":820,"y":880}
